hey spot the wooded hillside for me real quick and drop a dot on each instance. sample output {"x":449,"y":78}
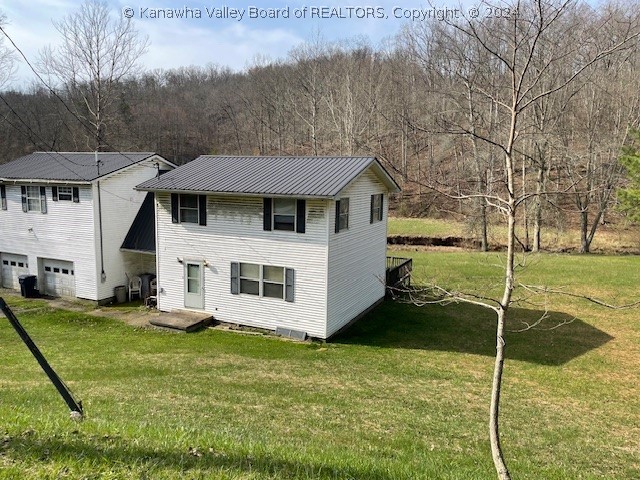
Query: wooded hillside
{"x":428,"y":105}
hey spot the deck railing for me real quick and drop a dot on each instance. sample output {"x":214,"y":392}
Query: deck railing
{"x":399,"y":272}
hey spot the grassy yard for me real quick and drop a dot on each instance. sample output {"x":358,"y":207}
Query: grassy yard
{"x":403,"y":395}
{"x":608,"y":238}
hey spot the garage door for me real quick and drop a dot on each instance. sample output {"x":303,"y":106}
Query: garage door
{"x":12,"y":267}
{"x":59,"y":278}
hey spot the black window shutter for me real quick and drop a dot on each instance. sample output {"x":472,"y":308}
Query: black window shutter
{"x":267,"y":214}
{"x":23,"y":191}
{"x":289,"y":276}
{"x":175,"y":211}
{"x":54,"y":194}
{"x":3,"y":196}
{"x":337,"y":216}
{"x":301,"y":216}
{"x":235,"y":278}
{"x":381,"y":214}
{"x":202,"y":209}
{"x":373,"y":202}
{"x":76,"y":195}
{"x":43,"y":200}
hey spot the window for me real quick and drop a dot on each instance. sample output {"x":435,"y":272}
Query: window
{"x":342,"y":214}
{"x":65,"y":194}
{"x":284,"y":214}
{"x":273,"y":282}
{"x":262,"y":280}
{"x":47,"y":269}
{"x":188,"y":208}
{"x":3,"y":196}
{"x":376,"y":208}
{"x":250,"y":278}
{"x":288,"y":214}
{"x":33,"y":199}
{"x":5,"y":262}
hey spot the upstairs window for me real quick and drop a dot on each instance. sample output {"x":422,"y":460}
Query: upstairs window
{"x":284,"y":214}
{"x":34,"y":199}
{"x":376,"y":208}
{"x":65,"y":194}
{"x":342,"y":214}
{"x":287,"y":214}
{"x":188,"y":208}
{"x":3,"y":196}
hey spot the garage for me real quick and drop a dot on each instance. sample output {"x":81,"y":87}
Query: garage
{"x":59,"y":278}
{"x":12,"y":267}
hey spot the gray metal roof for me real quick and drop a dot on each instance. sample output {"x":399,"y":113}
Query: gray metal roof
{"x":70,"y":166}
{"x":142,"y":234}
{"x":286,"y":176}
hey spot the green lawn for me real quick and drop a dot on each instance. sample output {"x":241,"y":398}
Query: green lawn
{"x":403,"y":395}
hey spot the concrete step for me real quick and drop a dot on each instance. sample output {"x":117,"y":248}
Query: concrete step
{"x":184,"y":320}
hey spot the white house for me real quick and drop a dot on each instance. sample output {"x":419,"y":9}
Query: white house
{"x":64,"y":218}
{"x":295,"y":243}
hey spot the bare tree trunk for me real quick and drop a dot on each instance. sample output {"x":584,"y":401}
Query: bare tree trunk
{"x":537,"y":210}
{"x":584,"y":225}
{"x":494,"y":414}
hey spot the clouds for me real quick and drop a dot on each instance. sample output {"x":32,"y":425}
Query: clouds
{"x":198,"y":41}
{"x":184,"y":43}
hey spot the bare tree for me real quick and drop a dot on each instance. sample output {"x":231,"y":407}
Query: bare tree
{"x":7,"y":57}
{"x":96,"y":53}
{"x":520,"y":48}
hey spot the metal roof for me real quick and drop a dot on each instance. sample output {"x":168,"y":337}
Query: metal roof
{"x":69,"y":166}
{"x":142,"y":234}
{"x":286,"y":176}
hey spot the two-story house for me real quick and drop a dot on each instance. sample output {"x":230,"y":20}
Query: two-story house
{"x":64,"y":218}
{"x":296,"y":243}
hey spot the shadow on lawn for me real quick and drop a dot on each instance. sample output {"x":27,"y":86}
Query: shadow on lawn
{"x":114,"y":452}
{"x":471,"y":329}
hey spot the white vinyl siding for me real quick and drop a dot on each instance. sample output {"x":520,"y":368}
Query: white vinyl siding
{"x":120,"y":205}
{"x":357,"y":256}
{"x":66,"y":232}
{"x":234,"y":233}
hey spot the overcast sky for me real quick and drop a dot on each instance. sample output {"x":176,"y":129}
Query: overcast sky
{"x":233,"y":42}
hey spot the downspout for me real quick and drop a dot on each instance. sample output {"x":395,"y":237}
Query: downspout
{"x":103,"y":275}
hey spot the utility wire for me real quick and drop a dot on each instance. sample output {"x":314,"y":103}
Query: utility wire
{"x":52,"y":150}
{"x":75,"y":115}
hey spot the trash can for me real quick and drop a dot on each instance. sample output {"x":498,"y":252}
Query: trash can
{"x":28,"y":286}
{"x":120,"y":292}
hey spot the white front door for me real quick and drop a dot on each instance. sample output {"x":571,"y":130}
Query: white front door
{"x":12,"y":267}
{"x":193,"y":285}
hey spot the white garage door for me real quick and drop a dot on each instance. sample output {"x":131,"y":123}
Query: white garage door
{"x":59,"y":278}
{"x":12,"y":267}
